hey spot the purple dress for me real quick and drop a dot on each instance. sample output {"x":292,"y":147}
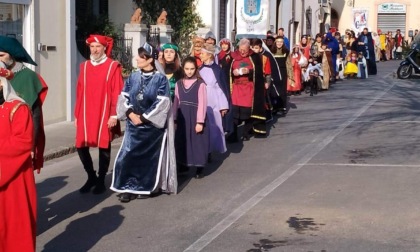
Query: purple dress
{"x":216,"y":101}
{"x":191,"y":148}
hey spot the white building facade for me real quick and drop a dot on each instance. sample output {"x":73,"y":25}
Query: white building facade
{"x":297,"y":17}
{"x":47,"y":30}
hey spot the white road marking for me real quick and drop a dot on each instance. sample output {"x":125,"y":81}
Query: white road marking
{"x":213,"y":233}
{"x":385,"y":121}
{"x":364,"y":165}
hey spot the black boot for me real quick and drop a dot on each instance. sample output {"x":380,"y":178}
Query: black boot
{"x":127,"y":197}
{"x":199,"y":173}
{"x":233,"y":137}
{"x":99,"y":185}
{"x":104,"y":159}
{"x":91,"y":182}
{"x":86,"y":159}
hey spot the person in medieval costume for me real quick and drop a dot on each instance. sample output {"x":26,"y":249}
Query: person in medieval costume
{"x":271,"y":72}
{"x":225,"y":60}
{"x":217,"y":98}
{"x":294,"y":85}
{"x":279,"y":91}
{"x":209,"y":38}
{"x":98,"y":86}
{"x":190,"y":113}
{"x":327,"y":66}
{"x":334,"y":48}
{"x":145,"y":164}
{"x":247,"y":90}
{"x":362,"y":71}
{"x":17,"y":183}
{"x":30,"y":86}
{"x":367,"y":47}
{"x":382,"y":45}
{"x":305,"y":46}
{"x":197,"y":44}
{"x":172,"y":65}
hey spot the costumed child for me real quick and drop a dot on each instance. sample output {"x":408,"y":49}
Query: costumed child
{"x":362,"y":71}
{"x":313,"y":75}
{"x":340,"y":67}
{"x":350,"y":71}
{"x":189,"y":109}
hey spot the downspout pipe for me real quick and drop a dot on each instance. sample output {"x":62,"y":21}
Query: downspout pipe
{"x":302,"y":20}
{"x":291,"y":21}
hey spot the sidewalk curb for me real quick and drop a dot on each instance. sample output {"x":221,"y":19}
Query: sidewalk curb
{"x":67,"y":150}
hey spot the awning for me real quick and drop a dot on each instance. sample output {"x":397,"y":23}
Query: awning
{"x":16,"y":1}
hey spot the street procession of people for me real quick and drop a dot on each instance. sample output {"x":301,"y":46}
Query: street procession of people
{"x":178,"y":111}
{"x":181,"y":111}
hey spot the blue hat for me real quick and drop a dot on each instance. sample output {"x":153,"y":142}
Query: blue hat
{"x":150,"y":50}
{"x":13,"y":47}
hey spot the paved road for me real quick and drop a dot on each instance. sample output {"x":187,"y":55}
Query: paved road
{"x":339,"y":173}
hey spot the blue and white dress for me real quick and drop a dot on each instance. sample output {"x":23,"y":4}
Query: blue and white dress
{"x":146,"y":160}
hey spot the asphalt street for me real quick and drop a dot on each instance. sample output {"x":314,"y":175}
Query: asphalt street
{"x":339,"y":173}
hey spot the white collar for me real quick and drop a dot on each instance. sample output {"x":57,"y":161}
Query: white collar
{"x":98,"y":61}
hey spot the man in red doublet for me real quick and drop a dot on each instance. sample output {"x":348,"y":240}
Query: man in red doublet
{"x":247,"y":88}
{"x":98,"y":86}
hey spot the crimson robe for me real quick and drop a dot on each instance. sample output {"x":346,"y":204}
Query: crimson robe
{"x":98,"y":88}
{"x":17,"y":183}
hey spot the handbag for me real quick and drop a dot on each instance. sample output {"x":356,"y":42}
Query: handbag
{"x":399,"y":49}
{"x":303,"y":61}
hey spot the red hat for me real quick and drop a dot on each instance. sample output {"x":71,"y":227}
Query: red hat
{"x":6,"y":73}
{"x":108,"y":42}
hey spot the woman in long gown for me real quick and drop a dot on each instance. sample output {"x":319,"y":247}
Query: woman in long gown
{"x":294,"y":86}
{"x":225,"y":60}
{"x":145,"y":162}
{"x":279,"y":94}
{"x":189,"y":109}
{"x":217,"y":103}
{"x":327,"y":66}
{"x":17,"y":183}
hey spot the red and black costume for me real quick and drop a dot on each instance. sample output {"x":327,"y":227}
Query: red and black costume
{"x":247,"y":91}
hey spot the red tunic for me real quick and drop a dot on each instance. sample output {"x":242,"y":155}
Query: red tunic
{"x":98,"y":88}
{"x":242,"y":88}
{"x":17,"y":183}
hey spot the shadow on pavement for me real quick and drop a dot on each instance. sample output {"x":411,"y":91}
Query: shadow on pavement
{"x":50,"y":214}
{"x":82,"y":234}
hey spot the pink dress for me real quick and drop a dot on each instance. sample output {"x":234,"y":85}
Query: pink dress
{"x":297,"y":74}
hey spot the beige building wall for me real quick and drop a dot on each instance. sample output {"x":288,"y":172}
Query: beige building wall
{"x":50,"y":30}
{"x":345,"y":8}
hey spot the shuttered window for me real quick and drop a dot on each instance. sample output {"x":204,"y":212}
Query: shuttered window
{"x":391,"y":22}
{"x":222,"y":16}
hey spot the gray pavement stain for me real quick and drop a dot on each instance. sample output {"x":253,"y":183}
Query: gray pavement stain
{"x":269,"y":244}
{"x":359,"y":155}
{"x":303,"y":225}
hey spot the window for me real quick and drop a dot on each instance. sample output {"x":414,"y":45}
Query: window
{"x":11,"y":20}
{"x":308,"y":15}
